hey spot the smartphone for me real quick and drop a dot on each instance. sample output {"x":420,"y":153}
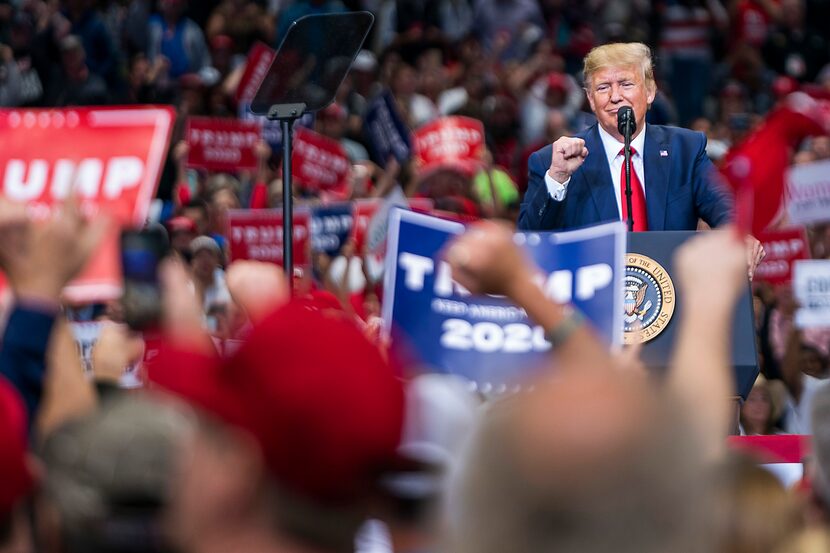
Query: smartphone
{"x":141,"y":254}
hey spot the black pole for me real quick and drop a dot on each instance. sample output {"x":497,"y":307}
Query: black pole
{"x":627,"y":162}
{"x":288,"y":201}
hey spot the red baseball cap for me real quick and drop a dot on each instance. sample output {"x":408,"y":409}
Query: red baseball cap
{"x":557,"y":81}
{"x":17,"y":481}
{"x":180,"y":224}
{"x":221,"y":42}
{"x":333,"y":111}
{"x":322,"y":403}
{"x":783,"y":85}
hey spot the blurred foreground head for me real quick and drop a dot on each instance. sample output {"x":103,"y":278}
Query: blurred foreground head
{"x":108,"y":478}
{"x":821,"y":448}
{"x":300,"y":426}
{"x":591,"y":461}
{"x":759,"y":513}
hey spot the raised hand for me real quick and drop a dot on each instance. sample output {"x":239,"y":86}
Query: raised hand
{"x":257,"y":287}
{"x":754,"y":254}
{"x":40,"y":258}
{"x":182,"y":313}
{"x":116,"y":349}
{"x":567,"y":155}
{"x":486,"y":260}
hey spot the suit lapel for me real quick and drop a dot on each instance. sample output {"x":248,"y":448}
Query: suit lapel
{"x":598,"y":177}
{"x":656,"y":166}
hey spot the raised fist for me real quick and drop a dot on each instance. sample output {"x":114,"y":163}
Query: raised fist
{"x":568,"y":153}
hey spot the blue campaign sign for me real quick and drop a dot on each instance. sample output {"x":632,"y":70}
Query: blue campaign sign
{"x":485,"y":338}
{"x":271,"y":131}
{"x":385,"y":131}
{"x":331,"y":226}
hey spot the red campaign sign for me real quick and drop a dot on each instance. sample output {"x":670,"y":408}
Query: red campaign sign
{"x":259,"y":61}
{"x":257,"y":234}
{"x":450,"y":143}
{"x":222,"y":144}
{"x":783,"y":248}
{"x":791,"y":448}
{"x":362,"y":213}
{"x":110,"y":157}
{"x":318,"y":162}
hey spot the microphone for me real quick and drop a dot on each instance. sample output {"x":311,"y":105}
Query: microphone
{"x":626,"y":125}
{"x":625,"y":122}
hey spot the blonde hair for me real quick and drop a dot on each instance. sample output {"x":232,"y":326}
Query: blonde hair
{"x":759,"y":513}
{"x":815,"y":540}
{"x":620,"y":54}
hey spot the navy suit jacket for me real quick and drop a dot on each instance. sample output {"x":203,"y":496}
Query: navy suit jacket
{"x":680,"y":186}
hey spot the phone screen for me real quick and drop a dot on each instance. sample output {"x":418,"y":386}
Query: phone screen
{"x":141,"y":253}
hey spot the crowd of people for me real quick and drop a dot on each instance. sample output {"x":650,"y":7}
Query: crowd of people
{"x":272,"y":414}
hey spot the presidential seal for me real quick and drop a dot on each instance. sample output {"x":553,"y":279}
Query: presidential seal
{"x":648,"y":299}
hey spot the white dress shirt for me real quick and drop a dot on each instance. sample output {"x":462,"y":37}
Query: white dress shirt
{"x":612,"y":147}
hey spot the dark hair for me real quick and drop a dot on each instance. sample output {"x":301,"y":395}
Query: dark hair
{"x":5,"y":528}
{"x":196,"y":203}
{"x":131,"y":526}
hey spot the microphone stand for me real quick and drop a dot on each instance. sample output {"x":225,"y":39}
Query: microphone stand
{"x":627,"y":165}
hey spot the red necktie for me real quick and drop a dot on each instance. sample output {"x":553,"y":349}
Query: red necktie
{"x":638,"y":198}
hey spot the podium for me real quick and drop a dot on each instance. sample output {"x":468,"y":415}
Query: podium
{"x":650,"y":255}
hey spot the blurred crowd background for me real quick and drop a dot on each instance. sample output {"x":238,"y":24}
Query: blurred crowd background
{"x":515,"y":65}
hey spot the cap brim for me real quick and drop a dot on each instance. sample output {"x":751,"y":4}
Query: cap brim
{"x":196,"y":378}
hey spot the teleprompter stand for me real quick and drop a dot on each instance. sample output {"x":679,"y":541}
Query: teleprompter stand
{"x":309,"y":66}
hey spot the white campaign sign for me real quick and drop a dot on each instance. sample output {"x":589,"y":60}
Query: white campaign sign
{"x":811,"y":287}
{"x":808,"y":193}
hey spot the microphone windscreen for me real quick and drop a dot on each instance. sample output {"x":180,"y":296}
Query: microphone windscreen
{"x":625,"y":120}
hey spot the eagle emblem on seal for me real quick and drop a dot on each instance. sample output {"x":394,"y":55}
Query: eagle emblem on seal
{"x":636,"y":305}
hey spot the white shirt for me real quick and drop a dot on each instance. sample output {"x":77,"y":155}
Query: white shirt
{"x":797,"y":415}
{"x":216,"y":293}
{"x":612,"y":147}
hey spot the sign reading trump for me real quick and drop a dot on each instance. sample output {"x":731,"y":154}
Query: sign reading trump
{"x":450,"y":143}
{"x":318,"y":162}
{"x":109,"y":158}
{"x":222,"y":144}
{"x":485,"y":338}
{"x":258,"y":234}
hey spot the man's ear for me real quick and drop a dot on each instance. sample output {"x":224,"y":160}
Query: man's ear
{"x":651,"y":93}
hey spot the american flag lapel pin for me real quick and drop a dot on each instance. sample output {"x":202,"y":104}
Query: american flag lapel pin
{"x":664,"y":153}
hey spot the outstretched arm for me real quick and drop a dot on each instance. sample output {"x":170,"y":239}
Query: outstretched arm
{"x":39,"y":259}
{"x":711,"y":270}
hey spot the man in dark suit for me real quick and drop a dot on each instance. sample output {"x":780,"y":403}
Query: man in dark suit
{"x":578,"y":181}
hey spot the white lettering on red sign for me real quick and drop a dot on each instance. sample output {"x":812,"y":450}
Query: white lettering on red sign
{"x":24,"y":181}
{"x":223,"y":139}
{"x":784,"y":248}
